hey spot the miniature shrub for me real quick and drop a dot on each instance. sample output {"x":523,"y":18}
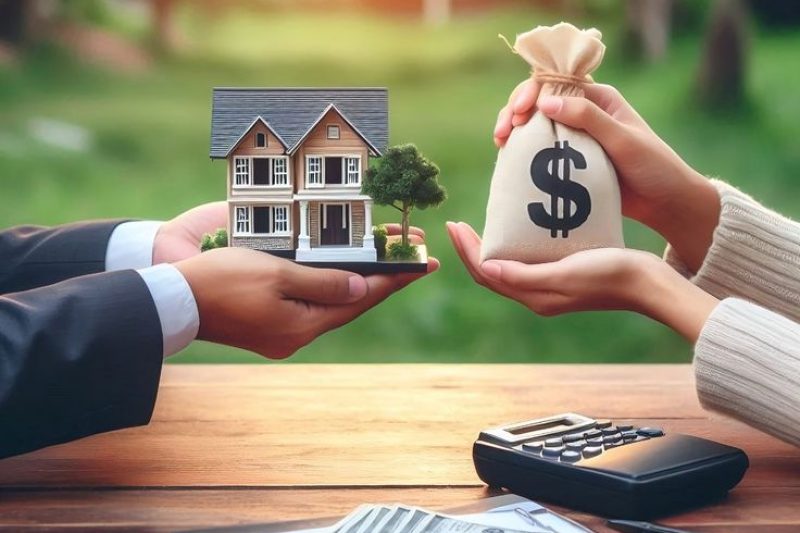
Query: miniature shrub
{"x":402,"y":252}
{"x":379,"y":233}
{"x":218,"y":240}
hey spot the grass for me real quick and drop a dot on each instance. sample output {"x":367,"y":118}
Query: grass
{"x":149,"y":157}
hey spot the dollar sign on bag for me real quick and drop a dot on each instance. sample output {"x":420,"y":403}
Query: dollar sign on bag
{"x":545,"y":175}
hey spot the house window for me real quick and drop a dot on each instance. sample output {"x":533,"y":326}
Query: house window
{"x":261,"y":140}
{"x":241,"y":170}
{"x":334,"y":171}
{"x":314,"y":170}
{"x":265,"y":220}
{"x":333,"y":132}
{"x":280,"y":174}
{"x":261,"y":220}
{"x":281,"y":219}
{"x":261,"y":171}
{"x":242,"y":220}
{"x":353,"y":170}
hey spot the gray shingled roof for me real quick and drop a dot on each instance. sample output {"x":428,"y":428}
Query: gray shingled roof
{"x":291,"y":112}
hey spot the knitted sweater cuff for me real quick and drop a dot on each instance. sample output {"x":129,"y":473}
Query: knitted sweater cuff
{"x":755,"y":255}
{"x":747,"y":365}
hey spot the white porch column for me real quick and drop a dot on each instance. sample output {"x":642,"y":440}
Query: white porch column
{"x":369,"y":239}
{"x":303,"y":240}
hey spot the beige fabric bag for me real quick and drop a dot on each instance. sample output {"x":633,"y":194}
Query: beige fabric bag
{"x":554,"y":191}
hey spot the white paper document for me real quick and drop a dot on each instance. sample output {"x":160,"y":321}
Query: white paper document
{"x":512,"y":514}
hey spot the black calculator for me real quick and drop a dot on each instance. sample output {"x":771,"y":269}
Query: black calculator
{"x":606,"y":468}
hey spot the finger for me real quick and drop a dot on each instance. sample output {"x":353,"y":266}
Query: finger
{"x":605,"y":96}
{"x":468,"y":250}
{"x":520,"y":275}
{"x":610,"y":100}
{"x":397,"y":229}
{"x":502,"y":128}
{"x":380,"y":287}
{"x":320,"y":285}
{"x":584,"y":114}
{"x":464,"y":240}
{"x":521,"y":119}
{"x":524,"y":97}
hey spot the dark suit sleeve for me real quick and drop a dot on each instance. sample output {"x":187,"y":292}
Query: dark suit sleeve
{"x":33,"y":256}
{"x":76,"y":358}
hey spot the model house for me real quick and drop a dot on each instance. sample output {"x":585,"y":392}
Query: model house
{"x":295,"y":160}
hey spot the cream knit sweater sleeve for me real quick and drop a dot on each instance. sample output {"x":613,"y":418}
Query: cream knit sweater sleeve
{"x":747,"y":359}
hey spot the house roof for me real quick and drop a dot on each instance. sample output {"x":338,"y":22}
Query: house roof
{"x":291,"y":113}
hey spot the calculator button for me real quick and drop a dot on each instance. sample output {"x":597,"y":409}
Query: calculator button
{"x":570,"y":456}
{"x":535,"y":446}
{"x":577,"y":446}
{"x":572,"y":438}
{"x":609,"y":445}
{"x":610,"y":430}
{"x":553,"y":452}
{"x":650,"y":432}
{"x":629,"y":436}
{"x":595,"y":442}
{"x":593,"y":434}
{"x":592,"y":451}
{"x":609,"y":439}
{"x":624,"y":427}
{"x":603,"y":424}
{"x":554,"y":442}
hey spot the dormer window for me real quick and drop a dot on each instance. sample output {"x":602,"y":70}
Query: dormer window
{"x":261,"y":140}
{"x":333,"y":132}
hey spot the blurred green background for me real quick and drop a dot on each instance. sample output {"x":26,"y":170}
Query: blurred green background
{"x":105,"y":112}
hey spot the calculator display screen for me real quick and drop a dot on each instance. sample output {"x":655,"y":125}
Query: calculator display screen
{"x":550,"y":424}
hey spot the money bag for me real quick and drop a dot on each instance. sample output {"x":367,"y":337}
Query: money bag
{"x":554,"y":191}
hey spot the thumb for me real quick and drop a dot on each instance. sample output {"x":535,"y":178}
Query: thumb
{"x":583,"y":114}
{"x":322,"y":285}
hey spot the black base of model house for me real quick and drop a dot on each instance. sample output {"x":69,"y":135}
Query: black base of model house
{"x":358,"y":267}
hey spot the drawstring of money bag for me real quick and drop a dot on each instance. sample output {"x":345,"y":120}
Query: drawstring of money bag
{"x":551,"y":77}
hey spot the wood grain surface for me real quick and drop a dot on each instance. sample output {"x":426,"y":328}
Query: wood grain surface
{"x":238,"y":444}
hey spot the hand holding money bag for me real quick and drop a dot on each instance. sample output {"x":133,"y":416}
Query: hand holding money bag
{"x":554,"y":191}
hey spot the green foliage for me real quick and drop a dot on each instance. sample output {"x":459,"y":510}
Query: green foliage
{"x":379,"y":234}
{"x":218,"y":240}
{"x":92,"y":11}
{"x":402,"y":252}
{"x":404,"y":176}
{"x":404,"y":179}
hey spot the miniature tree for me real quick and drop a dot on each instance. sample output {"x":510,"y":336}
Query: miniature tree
{"x":218,"y":240}
{"x":404,"y":179}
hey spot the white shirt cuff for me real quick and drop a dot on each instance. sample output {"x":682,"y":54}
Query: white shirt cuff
{"x":176,"y":306}
{"x":131,"y":245}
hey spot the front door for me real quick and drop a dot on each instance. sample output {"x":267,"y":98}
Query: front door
{"x":335,"y":225}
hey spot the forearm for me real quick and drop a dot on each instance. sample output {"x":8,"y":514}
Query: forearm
{"x":76,"y":358}
{"x":747,"y":363}
{"x":666,"y":296}
{"x":32,"y":256}
{"x":754,"y":255}
{"x":688,"y":217}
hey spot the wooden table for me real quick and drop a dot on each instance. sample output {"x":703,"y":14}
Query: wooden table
{"x":247,"y":444}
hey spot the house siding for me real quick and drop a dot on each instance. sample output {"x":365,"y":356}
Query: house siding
{"x":349,"y":143}
{"x":358,"y":223}
{"x":314,"y":223}
{"x":317,"y":143}
{"x":247,"y":146}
